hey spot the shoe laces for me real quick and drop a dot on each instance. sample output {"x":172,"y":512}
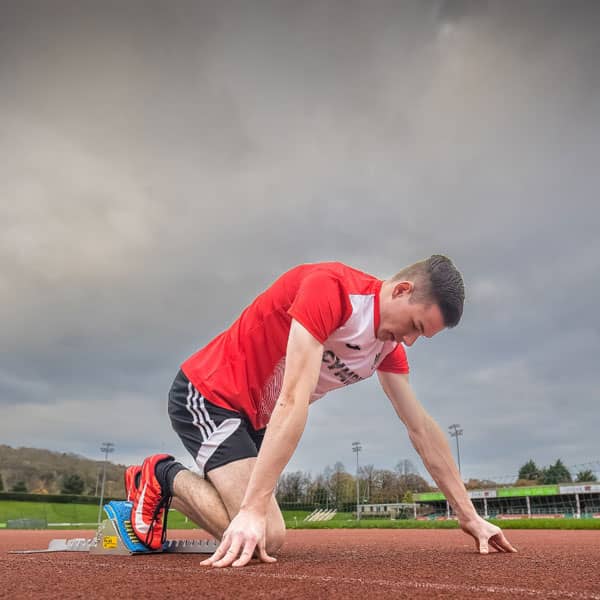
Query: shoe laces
{"x":164,"y":503}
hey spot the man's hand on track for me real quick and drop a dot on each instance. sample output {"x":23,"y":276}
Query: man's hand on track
{"x":486,"y":536}
{"x":244,"y":536}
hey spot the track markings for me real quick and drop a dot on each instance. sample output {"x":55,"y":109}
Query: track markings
{"x":424,"y":585}
{"x":397,"y":584}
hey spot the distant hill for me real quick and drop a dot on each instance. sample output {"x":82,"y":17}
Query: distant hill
{"x":43,"y":471}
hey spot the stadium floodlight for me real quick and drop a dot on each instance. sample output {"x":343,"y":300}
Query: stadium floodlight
{"x":356,"y":447}
{"x":454,"y":432}
{"x":107,"y":448}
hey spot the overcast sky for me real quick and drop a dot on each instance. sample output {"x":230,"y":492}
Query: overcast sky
{"x":163,"y":162}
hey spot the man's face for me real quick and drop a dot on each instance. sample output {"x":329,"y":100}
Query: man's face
{"x":404,"y":321}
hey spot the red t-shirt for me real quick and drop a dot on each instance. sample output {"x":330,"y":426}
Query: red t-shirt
{"x":242,"y":368}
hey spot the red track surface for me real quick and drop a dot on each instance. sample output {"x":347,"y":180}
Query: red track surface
{"x":361,"y":564}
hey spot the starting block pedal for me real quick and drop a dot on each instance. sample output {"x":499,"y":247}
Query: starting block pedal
{"x":109,"y":540}
{"x":115,"y":536}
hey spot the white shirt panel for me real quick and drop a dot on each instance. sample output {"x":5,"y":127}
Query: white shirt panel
{"x":352,"y":352}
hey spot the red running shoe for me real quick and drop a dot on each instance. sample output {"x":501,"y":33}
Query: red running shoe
{"x":150,"y":505}
{"x":132,"y":479}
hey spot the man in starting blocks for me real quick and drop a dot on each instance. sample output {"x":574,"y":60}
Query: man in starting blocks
{"x":240,"y":404}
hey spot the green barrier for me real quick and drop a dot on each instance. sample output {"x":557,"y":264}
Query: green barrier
{"x":428,"y":497}
{"x":511,"y":492}
{"x":537,"y":490}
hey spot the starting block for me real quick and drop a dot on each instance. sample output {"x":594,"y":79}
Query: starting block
{"x":115,"y":536}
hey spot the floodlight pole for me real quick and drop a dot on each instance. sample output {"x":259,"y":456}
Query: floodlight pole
{"x":107,"y":448}
{"x":356,"y":447}
{"x":454,"y":432}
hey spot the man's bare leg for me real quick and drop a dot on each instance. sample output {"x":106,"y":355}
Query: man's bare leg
{"x":212,"y":504}
{"x":231,"y":481}
{"x":198,"y":500}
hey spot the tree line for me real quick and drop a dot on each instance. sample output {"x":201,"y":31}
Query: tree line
{"x":72,"y":484}
{"x":531,"y":474}
{"x":43,"y":472}
{"x":40,"y":471}
{"x":334,"y":487}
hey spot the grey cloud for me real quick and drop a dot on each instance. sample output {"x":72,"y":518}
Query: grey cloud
{"x":162,"y":164}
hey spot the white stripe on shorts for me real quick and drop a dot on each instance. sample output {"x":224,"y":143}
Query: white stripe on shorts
{"x":216,"y":438}
{"x":207,"y":418}
{"x":198,"y":418}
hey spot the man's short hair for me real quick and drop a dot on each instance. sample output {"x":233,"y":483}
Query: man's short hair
{"x":437,"y":281}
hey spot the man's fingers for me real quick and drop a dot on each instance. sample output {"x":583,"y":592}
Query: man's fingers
{"x":504,"y":543}
{"x":483,"y":546}
{"x":246,"y":554}
{"x":231,"y":555}
{"x":487,"y":536}
{"x":497,"y":541}
{"x":218,"y":553}
{"x":262,"y":554}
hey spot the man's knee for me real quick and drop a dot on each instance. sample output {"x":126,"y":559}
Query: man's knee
{"x":275,"y":538}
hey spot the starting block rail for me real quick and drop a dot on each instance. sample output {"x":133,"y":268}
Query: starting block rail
{"x":115,"y":536}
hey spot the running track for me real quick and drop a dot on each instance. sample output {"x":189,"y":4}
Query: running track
{"x":361,"y":564}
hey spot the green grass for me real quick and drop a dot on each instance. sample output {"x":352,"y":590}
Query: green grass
{"x":548,"y":523}
{"x":350,"y":523}
{"x":294,"y":519}
{"x":69,"y":513}
{"x":179,"y":521}
{"x":51,"y":512}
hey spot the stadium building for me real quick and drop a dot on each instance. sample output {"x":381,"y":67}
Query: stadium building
{"x":578,"y":501}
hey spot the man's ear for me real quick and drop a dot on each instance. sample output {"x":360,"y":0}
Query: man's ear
{"x":403,"y":288}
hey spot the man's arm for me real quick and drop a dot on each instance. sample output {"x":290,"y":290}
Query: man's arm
{"x":247,"y":530}
{"x":433,"y":448}
{"x":302,"y":366}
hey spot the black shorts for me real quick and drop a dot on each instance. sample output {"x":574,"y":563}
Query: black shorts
{"x":213,"y":435}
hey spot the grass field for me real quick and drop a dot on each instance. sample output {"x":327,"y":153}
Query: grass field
{"x":350,"y":523}
{"x":88,"y":514}
{"x":68,"y":513}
